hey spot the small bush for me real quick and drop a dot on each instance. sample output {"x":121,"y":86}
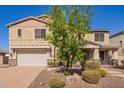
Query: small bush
{"x":93,"y":64}
{"x":122,"y":62}
{"x":66,"y":73}
{"x":102,"y":72}
{"x":91,"y":76}
{"x":56,"y":82}
{"x":51,"y":63}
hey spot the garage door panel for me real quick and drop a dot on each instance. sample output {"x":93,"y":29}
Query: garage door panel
{"x":32,"y":59}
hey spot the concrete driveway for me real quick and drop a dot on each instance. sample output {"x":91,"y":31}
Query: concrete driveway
{"x":18,"y":77}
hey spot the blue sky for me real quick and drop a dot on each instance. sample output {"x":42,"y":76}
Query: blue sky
{"x":104,"y":17}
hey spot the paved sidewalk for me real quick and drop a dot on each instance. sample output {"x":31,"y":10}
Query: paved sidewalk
{"x":114,"y":72}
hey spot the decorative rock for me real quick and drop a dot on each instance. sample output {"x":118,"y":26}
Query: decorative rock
{"x":74,"y":80}
{"x":77,"y":64}
{"x":41,"y":83}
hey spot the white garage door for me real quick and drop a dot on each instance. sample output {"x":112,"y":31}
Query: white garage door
{"x":32,"y":59}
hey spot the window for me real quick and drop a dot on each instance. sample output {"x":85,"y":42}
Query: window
{"x":40,"y":33}
{"x":121,"y":43}
{"x":96,"y":37}
{"x":99,"y":36}
{"x":19,"y":32}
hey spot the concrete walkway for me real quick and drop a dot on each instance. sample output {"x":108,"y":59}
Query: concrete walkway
{"x":114,"y":72}
{"x":18,"y":77}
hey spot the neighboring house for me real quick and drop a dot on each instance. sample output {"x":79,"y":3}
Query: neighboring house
{"x":99,"y":47}
{"x":118,"y":39}
{"x":3,"y":58}
{"x":27,"y":44}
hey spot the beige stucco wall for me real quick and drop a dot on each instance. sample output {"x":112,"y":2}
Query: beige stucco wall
{"x":1,"y":58}
{"x":28,"y":38}
{"x":91,"y":37}
{"x":28,"y":34}
{"x":45,"y":19}
{"x":96,"y":53}
{"x":116,"y":41}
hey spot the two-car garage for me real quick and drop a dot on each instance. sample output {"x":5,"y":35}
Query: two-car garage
{"x":32,"y":57}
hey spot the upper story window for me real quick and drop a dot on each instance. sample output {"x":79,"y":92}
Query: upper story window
{"x":40,"y":33}
{"x":19,"y":33}
{"x":99,"y":37}
{"x":121,"y":43}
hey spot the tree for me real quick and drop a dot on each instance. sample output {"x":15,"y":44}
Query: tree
{"x":68,"y":27}
{"x":79,"y":19}
{"x":57,"y":27}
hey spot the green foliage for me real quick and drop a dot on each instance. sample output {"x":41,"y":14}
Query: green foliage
{"x":91,"y":76}
{"x":56,"y":82}
{"x":51,"y":63}
{"x":57,"y":27}
{"x":122,"y":50}
{"x":68,"y":27}
{"x":66,"y":73}
{"x":92,"y":64}
{"x":102,"y":72}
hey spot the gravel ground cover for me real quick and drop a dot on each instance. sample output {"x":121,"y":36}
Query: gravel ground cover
{"x":41,"y":81}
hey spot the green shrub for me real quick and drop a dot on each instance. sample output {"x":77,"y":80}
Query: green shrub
{"x":92,"y":64}
{"x":91,"y":76}
{"x":66,"y":73}
{"x":51,"y":63}
{"x":102,"y":72}
{"x":56,"y":82}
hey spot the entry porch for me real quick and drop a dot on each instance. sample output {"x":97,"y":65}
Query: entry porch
{"x":104,"y":53}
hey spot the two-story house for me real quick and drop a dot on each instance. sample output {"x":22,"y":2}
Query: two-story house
{"x":99,"y":47}
{"x":27,"y":44}
{"x":28,"y":47}
{"x":118,"y":39}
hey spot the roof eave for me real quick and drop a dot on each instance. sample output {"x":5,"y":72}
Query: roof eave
{"x":117,"y":34}
{"x":104,"y":30}
{"x":21,"y":20}
{"x":42,"y":16}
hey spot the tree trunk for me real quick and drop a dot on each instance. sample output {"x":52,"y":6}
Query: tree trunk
{"x":67,"y":63}
{"x":79,"y":35}
{"x":54,"y":53}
